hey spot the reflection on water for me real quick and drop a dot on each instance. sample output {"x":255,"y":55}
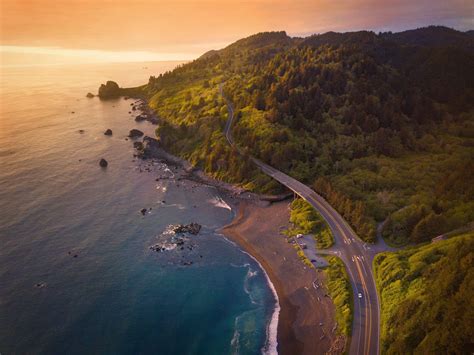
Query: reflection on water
{"x":76,"y":271}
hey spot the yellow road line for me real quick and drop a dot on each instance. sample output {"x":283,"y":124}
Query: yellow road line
{"x":364,"y":286}
{"x":368,"y":312}
{"x":369,"y":319}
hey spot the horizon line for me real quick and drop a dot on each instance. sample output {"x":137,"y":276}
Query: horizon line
{"x":91,"y":56}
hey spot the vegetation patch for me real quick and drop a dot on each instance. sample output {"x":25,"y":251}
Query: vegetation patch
{"x":324,"y":238}
{"x":303,"y":257}
{"x":306,"y":220}
{"x":340,"y":291}
{"x":426,"y":297}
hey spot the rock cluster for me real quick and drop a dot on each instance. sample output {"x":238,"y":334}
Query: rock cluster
{"x":145,"y":112}
{"x":178,"y":241}
{"x":147,"y":149}
{"x":192,"y":228}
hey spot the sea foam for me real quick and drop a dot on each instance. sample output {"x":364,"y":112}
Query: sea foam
{"x":219,"y":202}
{"x":271,"y":344}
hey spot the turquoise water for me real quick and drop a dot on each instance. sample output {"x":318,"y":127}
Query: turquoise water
{"x":116,"y":296}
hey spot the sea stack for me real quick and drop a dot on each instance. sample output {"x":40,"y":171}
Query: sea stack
{"x":110,"y":90}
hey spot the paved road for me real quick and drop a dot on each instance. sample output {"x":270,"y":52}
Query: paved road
{"x":356,"y":255}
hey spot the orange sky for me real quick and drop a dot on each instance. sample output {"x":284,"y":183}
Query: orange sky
{"x":182,"y":29}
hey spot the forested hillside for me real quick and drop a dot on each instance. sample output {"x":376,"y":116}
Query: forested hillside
{"x":426,"y":296}
{"x":382,"y":125}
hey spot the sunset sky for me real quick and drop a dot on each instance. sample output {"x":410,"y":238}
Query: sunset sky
{"x":118,"y":30}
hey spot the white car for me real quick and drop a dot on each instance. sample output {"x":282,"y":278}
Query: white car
{"x":359,"y":295}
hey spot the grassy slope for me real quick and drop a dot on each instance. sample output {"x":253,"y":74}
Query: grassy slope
{"x":426,"y":296}
{"x":340,"y":291}
{"x":306,"y":220}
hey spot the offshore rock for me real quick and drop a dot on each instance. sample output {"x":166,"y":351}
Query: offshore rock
{"x":135,"y":133}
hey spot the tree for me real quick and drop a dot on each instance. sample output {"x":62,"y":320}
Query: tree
{"x":429,"y":227}
{"x":259,"y":101}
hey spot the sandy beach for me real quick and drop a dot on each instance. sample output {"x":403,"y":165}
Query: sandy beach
{"x":305,"y":324}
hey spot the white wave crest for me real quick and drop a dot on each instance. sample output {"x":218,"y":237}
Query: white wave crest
{"x":219,"y":202}
{"x":249,"y":275}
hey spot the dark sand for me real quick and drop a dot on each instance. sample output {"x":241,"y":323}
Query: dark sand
{"x":256,"y":229}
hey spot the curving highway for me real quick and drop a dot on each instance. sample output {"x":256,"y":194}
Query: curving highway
{"x":356,"y":255}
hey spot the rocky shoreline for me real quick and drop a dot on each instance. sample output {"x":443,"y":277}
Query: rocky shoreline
{"x":150,"y":148}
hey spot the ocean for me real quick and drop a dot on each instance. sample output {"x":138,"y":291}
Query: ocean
{"x":77,"y":275}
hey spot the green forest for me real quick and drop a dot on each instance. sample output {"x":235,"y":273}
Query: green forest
{"x":380,"y":124}
{"x":427,"y":299}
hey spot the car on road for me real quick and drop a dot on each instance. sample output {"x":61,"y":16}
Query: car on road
{"x":359,"y":295}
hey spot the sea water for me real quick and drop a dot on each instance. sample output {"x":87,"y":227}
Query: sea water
{"x":76,"y":272}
